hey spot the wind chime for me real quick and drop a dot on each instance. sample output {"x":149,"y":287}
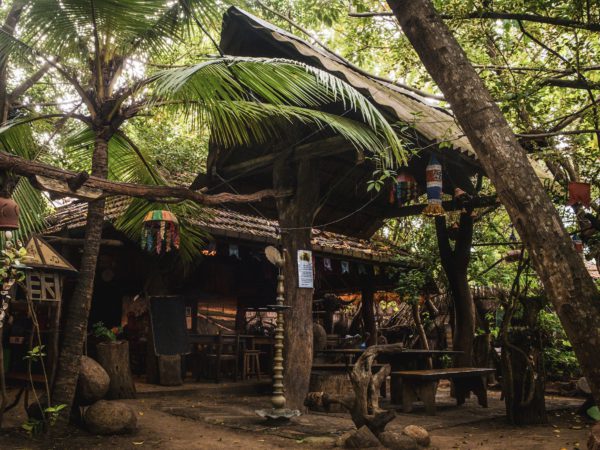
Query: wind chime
{"x":433,"y":177}
{"x":404,"y":190}
{"x":160,"y":231}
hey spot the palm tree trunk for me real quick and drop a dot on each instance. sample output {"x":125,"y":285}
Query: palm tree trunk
{"x":78,"y":308}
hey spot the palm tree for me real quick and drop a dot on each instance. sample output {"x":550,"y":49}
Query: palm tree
{"x":99,"y":52}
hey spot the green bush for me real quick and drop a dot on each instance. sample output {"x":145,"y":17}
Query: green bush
{"x":559,"y":358}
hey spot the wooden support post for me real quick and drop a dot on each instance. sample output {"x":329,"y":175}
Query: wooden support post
{"x":296,"y":215}
{"x":368,"y":313}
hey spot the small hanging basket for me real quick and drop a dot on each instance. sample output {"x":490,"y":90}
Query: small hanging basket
{"x":9,"y":214}
{"x":160,"y":231}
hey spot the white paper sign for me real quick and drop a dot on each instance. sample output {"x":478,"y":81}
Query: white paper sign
{"x":305,"y":269}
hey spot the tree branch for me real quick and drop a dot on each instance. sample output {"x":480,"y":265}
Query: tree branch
{"x":24,"y":167}
{"x":559,"y":21}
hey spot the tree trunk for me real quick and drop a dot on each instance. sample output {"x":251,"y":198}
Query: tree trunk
{"x":114,"y":358}
{"x":78,"y":307}
{"x":561,"y":269}
{"x":295,"y":219}
{"x":368,"y":311}
{"x":455,"y":262}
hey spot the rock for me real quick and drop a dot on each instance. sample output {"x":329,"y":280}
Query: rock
{"x":319,"y":338}
{"x":340,"y":441}
{"x":320,"y":441}
{"x":395,"y":441}
{"x":110,"y":417}
{"x":93,"y":382}
{"x":583,"y":386}
{"x":362,"y":438}
{"x":419,"y":434}
{"x":594,"y":438}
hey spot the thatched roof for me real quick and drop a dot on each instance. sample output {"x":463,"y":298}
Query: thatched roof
{"x":227,"y":224}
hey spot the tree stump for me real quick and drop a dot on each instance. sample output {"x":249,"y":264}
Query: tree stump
{"x":114,"y":358}
{"x":169,"y":370}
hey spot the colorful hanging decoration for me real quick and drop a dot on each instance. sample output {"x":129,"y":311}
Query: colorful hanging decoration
{"x":234,"y":251}
{"x":345,"y":265}
{"x":404,"y":190}
{"x":433,"y":177}
{"x":579,"y":193}
{"x":160,"y":231}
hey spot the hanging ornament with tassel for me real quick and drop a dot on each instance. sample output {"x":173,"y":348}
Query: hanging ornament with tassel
{"x":404,"y":190}
{"x":433,"y":177}
{"x":160,"y":231}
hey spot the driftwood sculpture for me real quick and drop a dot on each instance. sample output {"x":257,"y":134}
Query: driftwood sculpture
{"x":364,"y":404}
{"x":370,"y":420}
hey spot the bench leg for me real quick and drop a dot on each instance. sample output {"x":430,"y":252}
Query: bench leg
{"x":463,"y":386}
{"x":409,"y":396}
{"x":396,"y":390}
{"x":480,"y":390}
{"x":424,"y":391}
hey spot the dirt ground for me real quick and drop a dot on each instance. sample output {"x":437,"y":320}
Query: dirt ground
{"x":213,"y":420}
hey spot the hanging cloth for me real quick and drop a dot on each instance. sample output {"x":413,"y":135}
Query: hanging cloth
{"x":433,"y":177}
{"x":579,"y":193}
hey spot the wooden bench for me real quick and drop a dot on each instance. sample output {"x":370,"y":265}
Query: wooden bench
{"x":422,"y":385}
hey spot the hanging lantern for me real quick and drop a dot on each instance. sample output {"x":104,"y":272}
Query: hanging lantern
{"x":9,"y":214}
{"x":405,"y":189}
{"x":433,"y":177}
{"x":160,"y":231}
{"x":579,"y":193}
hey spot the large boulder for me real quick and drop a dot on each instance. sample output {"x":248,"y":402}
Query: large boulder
{"x":396,"y":441}
{"x":93,"y":382}
{"x":110,"y":417}
{"x":319,"y":338}
{"x":418,"y":433}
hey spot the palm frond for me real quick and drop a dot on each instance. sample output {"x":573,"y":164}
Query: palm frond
{"x":295,"y":88}
{"x":16,"y":138}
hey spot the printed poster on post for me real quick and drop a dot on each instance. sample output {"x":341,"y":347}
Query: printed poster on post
{"x":305,"y":269}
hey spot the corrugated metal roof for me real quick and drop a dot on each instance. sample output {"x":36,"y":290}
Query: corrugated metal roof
{"x":434,"y":123}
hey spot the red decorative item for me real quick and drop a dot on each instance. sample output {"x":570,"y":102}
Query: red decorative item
{"x":9,"y":214}
{"x":579,"y":193}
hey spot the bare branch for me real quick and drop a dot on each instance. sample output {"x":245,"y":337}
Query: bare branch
{"x":558,"y":21}
{"x":25,"y":167}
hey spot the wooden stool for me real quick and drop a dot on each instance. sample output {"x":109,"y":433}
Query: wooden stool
{"x":251,"y":364}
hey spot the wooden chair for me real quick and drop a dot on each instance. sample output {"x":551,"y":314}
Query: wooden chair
{"x":224,"y":353}
{"x":251,"y":365}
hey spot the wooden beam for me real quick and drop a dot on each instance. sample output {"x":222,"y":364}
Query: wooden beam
{"x":81,"y":242}
{"x":325,"y":147}
{"x":448,"y":205}
{"x":167,"y":194}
